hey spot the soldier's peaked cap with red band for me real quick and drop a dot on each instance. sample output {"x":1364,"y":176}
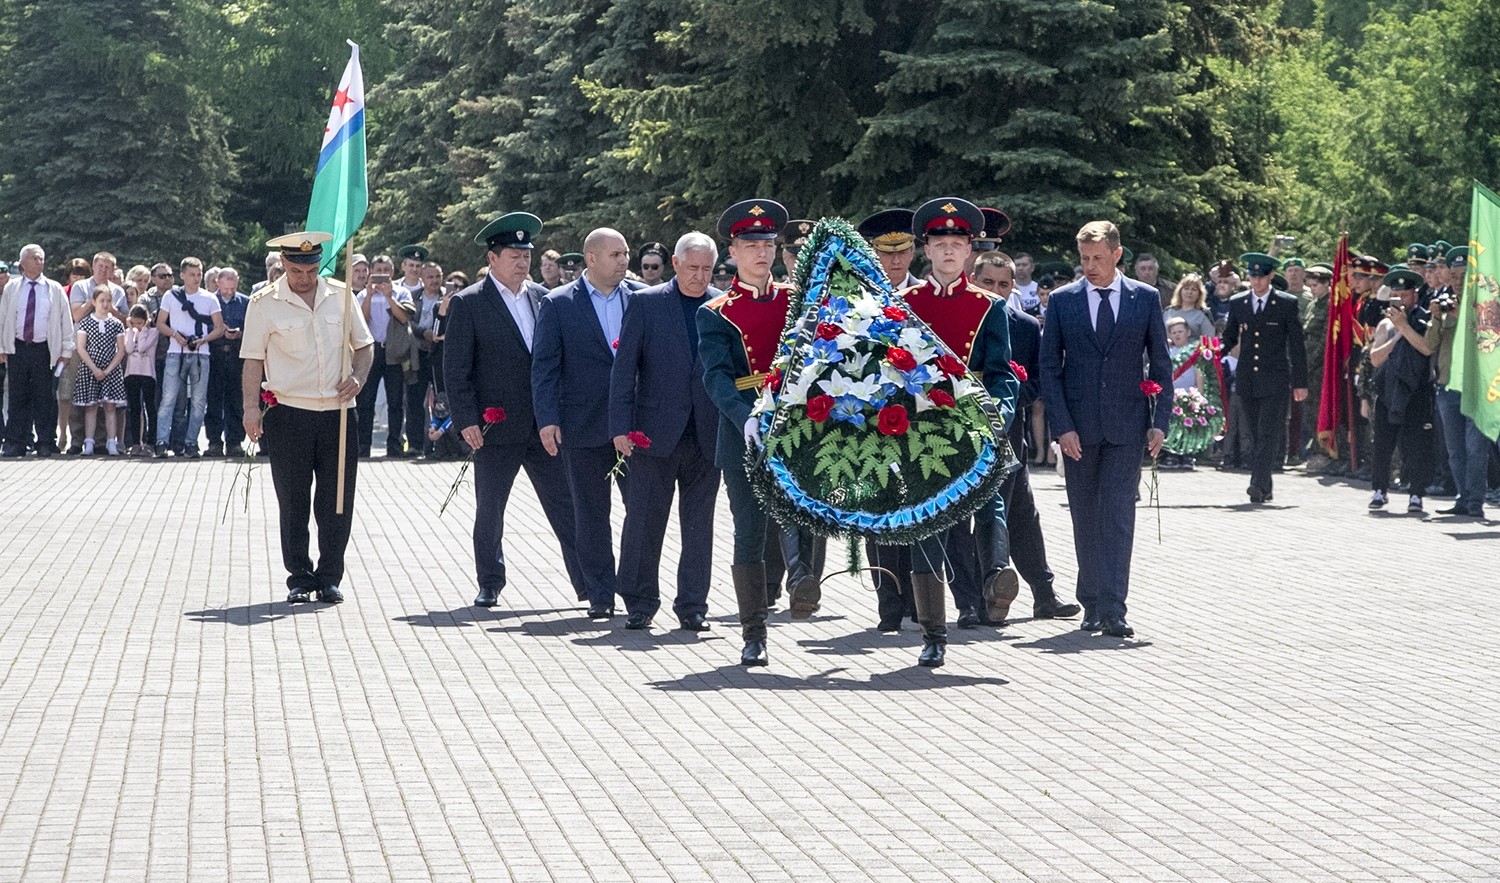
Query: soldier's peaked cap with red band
{"x":947,"y":216}
{"x":753,"y":219}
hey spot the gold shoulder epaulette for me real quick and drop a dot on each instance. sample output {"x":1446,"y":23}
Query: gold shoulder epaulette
{"x":718,"y":303}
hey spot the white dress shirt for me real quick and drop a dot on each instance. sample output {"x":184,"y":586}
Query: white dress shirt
{"x":520,"y":310}
{"x":1094,"y":298}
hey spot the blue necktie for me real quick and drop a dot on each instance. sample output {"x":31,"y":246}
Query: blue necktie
{"x":1106,"y":321}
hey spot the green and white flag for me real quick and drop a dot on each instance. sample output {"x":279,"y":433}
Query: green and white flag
{"x":1476,"y":355}
{"x":341,"y":193}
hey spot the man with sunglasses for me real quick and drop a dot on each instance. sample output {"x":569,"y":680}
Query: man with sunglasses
{"x":653,"y":263}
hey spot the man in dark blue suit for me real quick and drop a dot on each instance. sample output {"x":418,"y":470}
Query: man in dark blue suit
{"x":657,"y":389}
{"x":1021,"y":540}
{"x":487,"y":364}
{"x":576,"y":336}
{"x":1099,"y":331}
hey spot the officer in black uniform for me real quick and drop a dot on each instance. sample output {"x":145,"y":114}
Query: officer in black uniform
{"x":1263,"y":322}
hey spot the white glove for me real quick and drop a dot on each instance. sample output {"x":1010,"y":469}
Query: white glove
{"x":752,"y":432}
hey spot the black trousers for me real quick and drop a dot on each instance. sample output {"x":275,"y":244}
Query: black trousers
{"x":893,"y":597}
{"x":304,"y":450}
{"x":33,"y":405}
{"x":962,"y":565}
{"x":392,"y":377}
{"x":225,"y":418}
{"x":416,"y":409}
{"x":589,"y":483}
{"x":495,"y":470}
{"x":1265,"y":417}
{"x":1027,"y":548}
{"x":140,"y":404}
{"x":1418,"y":444}
{"x":648,"y":507}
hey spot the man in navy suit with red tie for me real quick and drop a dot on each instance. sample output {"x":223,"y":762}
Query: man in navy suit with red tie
{"x":576,"y":336}
{"x":657,"y":390}
{"x":487,"y":348}
{"x":1099,"y":331}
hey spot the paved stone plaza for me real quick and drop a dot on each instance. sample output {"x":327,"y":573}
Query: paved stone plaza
{"x":1312,"y":694}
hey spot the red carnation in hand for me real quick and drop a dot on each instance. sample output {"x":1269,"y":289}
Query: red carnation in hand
{"x":638,"y":438}
{"x":895,"y":314}
{"x":940,"y":398}
{"x":901,"y":359}
{"x":616,"y":344}
{"x":1019,"y":371}
{"x":1150,"y":387}
{"x":950,"y":365}
{"x":774,"y":381}
{"x":494,"y":415}
{"x":828,"y":331}
{"x":893,"y":420}
{"x":268,"y":398}
{"x":819,"y":407}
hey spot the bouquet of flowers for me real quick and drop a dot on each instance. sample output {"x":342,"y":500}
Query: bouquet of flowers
{"x":872,"y":426}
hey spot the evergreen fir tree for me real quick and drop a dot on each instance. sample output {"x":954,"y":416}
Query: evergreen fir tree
{"x":110,"y":142}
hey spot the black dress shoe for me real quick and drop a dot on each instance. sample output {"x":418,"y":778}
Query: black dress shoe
{"x":889,"y":625}
{"x":299,"y":596}
{"x":330,"y":595}
{"x":694,"y":622}
{"x":1116,"y":627}
{"x":638,"y":622}
{"x":754,"y":654}
{"x":487,"y":598}
{"x":601,"y":611}
{"x":1091,"y":623}
{"x":1054,"y":610}
{"x":969,"y":618}
{"x":1455,"y":509}
{"x":1256,"y":496}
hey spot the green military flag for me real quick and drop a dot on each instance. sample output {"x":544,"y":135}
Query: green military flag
{"x":340,"y":192}
{"x":1476,"y":354}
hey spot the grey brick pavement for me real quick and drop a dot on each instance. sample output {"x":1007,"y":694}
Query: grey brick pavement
{"x":1288,"y":711}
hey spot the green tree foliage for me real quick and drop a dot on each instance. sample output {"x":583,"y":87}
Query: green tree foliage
{"x":111,"y":143}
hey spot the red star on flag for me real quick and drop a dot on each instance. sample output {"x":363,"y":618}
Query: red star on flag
{"x":341,"y":99}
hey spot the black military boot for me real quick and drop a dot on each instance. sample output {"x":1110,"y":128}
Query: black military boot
{"x":750,"y":595}
{"x":931,"y":597}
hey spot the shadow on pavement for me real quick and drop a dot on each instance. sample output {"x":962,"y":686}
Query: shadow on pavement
{"x":254,"y":614}
{"x":469,"y":615}
{"x":862,"y":643}
{"x":1080,"y":642}
{"x":738,"y":677}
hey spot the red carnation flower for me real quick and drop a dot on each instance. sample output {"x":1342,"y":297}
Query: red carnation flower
{"x":268,"y":398}
{"x":901,"y":359}
{"x":819,"y":407}
{"x":940,"y":398}
{"x":1019,"y":371}
{"x":951,"y":366}
{"x":616,"y":344}
{"x":494,"y":415}
{"x":1150,"y":387}
{"x":893,"y":420}
{"x":828,"y":331}
{"x":895,"y":314}
{"x":774,"y":381}
{"x":638,"y":438}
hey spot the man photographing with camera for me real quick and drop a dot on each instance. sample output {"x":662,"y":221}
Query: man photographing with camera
{"x":1403,"y":396}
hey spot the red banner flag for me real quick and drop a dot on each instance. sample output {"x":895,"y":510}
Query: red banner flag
{"x":1336,"y":406}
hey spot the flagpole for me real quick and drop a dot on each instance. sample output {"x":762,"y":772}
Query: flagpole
{"x":345,"y":371}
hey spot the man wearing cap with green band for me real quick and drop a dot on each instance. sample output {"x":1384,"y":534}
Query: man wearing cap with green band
{"x":487,"y":373}
{"x":1404,"y":407}
{"x":1273,"y":358}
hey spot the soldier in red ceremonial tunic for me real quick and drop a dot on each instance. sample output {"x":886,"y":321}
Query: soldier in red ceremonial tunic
{"x":738,"y":334}
{"x":973,"y":323}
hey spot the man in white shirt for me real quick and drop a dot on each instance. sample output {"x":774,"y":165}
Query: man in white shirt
{"x":192,"y":319}
{"x":36,"y":339}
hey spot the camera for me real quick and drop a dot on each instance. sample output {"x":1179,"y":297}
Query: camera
{"x":1282,"y":240}
{"x":1445,"y":302}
